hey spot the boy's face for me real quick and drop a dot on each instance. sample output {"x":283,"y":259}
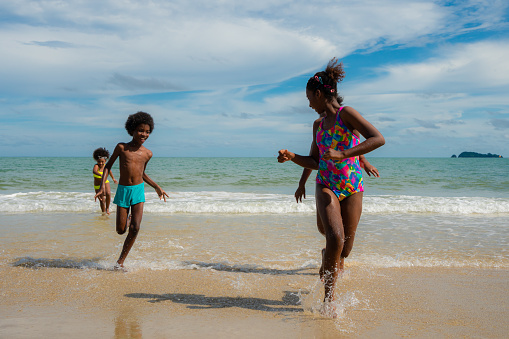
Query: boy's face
{"x":141,"y":133}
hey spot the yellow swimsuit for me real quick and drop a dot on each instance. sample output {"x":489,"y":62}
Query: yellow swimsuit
{"x":99,"y":177}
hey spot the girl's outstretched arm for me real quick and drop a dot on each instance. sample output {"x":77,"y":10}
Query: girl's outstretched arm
{"x":311,"y":161}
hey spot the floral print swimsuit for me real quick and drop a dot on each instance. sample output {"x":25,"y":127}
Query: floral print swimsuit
{"x":344,"y":178}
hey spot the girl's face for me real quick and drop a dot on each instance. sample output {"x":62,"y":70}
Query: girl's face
{"x":316,"y":102}
{"x":101,"y":162}
{"x":141,"y":133}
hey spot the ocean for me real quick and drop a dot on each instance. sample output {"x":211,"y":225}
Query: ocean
{"x":421,"y":211}
{"x":237,"y":218}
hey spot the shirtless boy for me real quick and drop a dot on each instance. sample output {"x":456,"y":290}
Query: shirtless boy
{"x":130,"y":193}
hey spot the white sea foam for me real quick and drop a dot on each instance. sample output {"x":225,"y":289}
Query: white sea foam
{"x":436,"y":205}
{"x":212,"y":202}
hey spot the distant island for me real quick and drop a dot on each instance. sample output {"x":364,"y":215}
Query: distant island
{"x":476,"y":155}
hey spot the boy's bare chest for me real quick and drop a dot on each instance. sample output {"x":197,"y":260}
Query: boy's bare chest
{"x":134,"y":158}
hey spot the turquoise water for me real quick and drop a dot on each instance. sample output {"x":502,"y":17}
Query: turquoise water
{"x":407,"y":176}
{"x":436,"y":184}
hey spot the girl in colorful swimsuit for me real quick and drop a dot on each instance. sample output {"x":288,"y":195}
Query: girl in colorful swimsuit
{"x":335,"y":154}
{"x":101,"y":155}
{"x":301,"y":189}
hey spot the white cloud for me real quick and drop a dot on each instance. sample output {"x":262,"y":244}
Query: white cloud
{"x":456,"y":68}
{"x":55,"y":47}
{"x":87,"y":55}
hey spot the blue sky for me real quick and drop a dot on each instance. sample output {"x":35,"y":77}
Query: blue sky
{"x":227,"y":78}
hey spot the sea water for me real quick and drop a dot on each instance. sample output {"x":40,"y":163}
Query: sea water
{"x":239,"y":214}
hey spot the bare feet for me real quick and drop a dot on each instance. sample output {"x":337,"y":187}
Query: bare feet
{"x":329,"y":310}
{"x":119,"y":267}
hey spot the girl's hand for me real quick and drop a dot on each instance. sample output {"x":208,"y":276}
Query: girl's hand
{"x":285,"y":155}
{"x":299,"y":193}
{"x":115,"y":181}
{"x":370,"y":169}
{"x":161,"y":193}
{"x":332,"y":154}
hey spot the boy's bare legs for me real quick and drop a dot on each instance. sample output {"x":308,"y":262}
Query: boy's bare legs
{"x":122,"y":222}
{"x":133,"y":222}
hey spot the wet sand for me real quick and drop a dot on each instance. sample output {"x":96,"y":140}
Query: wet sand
{"x":382,"y":303}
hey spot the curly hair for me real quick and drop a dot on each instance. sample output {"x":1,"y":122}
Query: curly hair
{"x":101,"y":152}
{"x":136,"y":119}
{"x":327,"y":81}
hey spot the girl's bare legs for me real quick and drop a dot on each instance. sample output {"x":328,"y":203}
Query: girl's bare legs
{"x":351,"y":210}
{"x":329,"y":210}
{"x":102,"y":202}
{"x":338,"y":222}
{"x":108,"y":198}
{"x":133,"y":223}
{"x":319,"y":225}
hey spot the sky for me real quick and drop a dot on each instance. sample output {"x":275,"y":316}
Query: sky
{"x":227,"y":78}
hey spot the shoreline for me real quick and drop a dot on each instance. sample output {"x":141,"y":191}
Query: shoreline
{"x":373,"y":302}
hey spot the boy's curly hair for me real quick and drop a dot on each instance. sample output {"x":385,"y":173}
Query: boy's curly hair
{"x":134,"y":120}
{"x":101,"y":152}
{"x":327,"y":81}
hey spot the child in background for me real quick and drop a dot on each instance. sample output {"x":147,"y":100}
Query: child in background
{"x":130,"y":193}
{"x":101,"y":155}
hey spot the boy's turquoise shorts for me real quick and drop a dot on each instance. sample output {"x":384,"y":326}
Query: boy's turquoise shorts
{"x":127,"y":196}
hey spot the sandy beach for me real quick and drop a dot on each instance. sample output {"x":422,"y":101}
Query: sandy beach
{"x":382,"y":303}
{"x":241,"y":259}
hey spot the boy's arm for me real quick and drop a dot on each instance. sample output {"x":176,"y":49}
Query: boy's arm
{"x":160,"y":192}
{"x":107,"y":170}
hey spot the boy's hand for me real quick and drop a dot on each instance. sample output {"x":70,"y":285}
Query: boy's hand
{"x":161,"y":193}
{"x":99,"y":195}
{"x":285,"y":155}
{"x":299,"y":193}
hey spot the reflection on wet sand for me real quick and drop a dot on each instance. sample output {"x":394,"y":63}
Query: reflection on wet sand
{"x":127,"y":326}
